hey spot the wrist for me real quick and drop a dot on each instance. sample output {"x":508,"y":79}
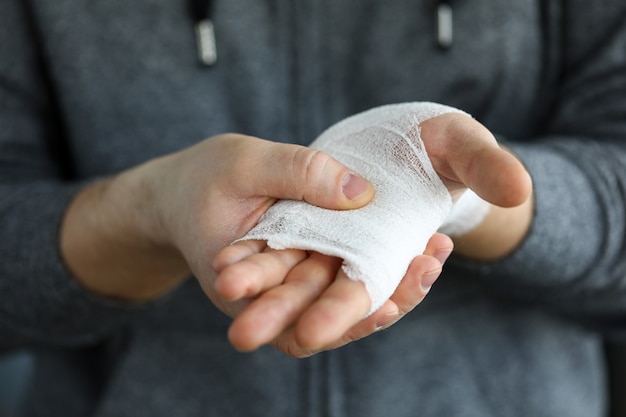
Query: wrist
{"x":113,"y":244}
{"x":501,"y":232}
{"x":466,"y":214}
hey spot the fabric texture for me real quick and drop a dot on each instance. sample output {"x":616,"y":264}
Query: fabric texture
{"x":378,"y":241}
{"x":88,"y":89}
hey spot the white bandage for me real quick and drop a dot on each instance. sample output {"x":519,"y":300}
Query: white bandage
{"x":378,"y":241}
{"x":466,"y":214}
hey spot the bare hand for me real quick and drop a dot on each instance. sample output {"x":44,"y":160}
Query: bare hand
{"x":138,"y":234}
{"x":217,"y":190}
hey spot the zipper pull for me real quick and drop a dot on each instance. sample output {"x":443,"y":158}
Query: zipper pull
{"x":445,"y":34}
{"x":205,"y":31}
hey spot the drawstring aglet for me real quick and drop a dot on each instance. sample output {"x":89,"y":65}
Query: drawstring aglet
{"x":205,"y":39}
{"x":444,"y":25}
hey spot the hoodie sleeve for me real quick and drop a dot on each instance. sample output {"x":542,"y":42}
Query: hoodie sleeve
{"x":574,"y":258}
{"x":39,"y":300}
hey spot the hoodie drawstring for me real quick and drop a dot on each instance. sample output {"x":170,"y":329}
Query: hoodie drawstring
{"x":202,"y":13}
{"x":445,"y":34}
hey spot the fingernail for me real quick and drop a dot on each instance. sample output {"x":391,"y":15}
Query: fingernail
{"x":354,"y":186}
{"x":442,"y":255}
{"x":429,"y":279}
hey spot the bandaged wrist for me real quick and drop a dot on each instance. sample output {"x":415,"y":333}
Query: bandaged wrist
{"x":466,"y":214}
{"x":377,"y":242}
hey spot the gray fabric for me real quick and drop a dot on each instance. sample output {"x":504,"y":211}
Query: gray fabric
{"x":15,"y":370}
{"x":89,"y":88}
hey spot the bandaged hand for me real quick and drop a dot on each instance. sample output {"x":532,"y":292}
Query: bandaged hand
{"x":378,"y":241}
{"x":417,"y":177}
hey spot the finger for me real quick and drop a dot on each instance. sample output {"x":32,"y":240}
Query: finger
{"x":277,"y":309}
{"x":416,"y":283}
{"x":256,"y":273}
{"x":411,"y":291}
{"x":287,"y":342}
{"x":439,"y":246}
{"x":236,"y":252}
{"x":340,"y":307}
{"x":498,"y":177}
{"x":409,"y":295}
{"x":464,"y":150}
{"x":299,"y":173}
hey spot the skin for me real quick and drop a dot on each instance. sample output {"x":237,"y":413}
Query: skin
{"x":466,"y":155}
{"x":139,"y":234}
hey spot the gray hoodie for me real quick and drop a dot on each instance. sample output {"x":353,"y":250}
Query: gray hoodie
{"x":88,"y":88}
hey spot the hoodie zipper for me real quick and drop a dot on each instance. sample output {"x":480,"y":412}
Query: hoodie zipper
{"x":202,"y":14}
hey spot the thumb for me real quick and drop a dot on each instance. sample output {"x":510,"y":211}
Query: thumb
{"x":464,"y":151}
{"x":299,"y":173}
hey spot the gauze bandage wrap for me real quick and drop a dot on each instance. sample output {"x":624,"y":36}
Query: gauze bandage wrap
{"x":378,"y":241}
{"x":466,"y":214}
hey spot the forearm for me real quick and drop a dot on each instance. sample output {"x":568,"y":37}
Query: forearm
{"x":110,"y":240}
{"x":571,"y":259}
{"x":40,"y":301}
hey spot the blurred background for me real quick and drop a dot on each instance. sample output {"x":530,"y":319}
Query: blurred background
{"x":15,"y":369}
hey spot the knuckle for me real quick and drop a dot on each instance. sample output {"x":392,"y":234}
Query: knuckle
{"x":311,"y":165}
{"x":300,"y":354}
{"x":406,"y":308}
{"x":290,"y":349}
